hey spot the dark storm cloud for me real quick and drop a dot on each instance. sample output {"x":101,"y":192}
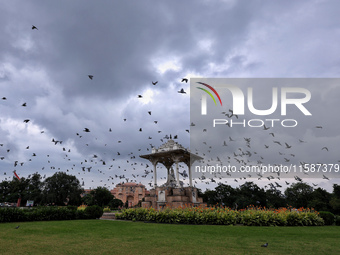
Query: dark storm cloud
{"x":126,"y":46}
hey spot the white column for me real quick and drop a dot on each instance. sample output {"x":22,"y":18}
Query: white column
{"x":154,"y":174}
{"x":190,"y":176}
{"x":177,"y":173}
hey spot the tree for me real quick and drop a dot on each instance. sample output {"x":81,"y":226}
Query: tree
{"x":101,"y":196}
{"x":250,"y":194}
{"x":226,"y":195}
{"x":116,"y":203}
{"x":210,"y":197}
{"x":61,"y":189}
{"x":87,"y":199}
{"x":335,"y":199}
{"x":320,"y":200}
{"x":32,"y":190}
{"x":275,"y":198}
{"x":5,"y":191}
{"x":299,"y":194}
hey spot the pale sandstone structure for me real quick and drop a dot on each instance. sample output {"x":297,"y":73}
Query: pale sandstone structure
{"x":130,"y":192}
{"x":172,"y":193}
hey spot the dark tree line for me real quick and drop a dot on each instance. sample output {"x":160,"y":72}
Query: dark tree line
{"x":59,"y":189}
{"x":296,"y":195}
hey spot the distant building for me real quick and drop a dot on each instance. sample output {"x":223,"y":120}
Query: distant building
{"x":130,"y":192}
{"x":86,"y":191}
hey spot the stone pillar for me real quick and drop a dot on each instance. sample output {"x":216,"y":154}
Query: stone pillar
{"x":177,"y":173}
{"x":154,"y":174}
{"x":190,"y":176}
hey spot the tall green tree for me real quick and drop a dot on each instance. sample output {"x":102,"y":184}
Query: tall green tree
{"x":320,"y":199}
{"x":101,"y":196}
{"x":299,"y":194}
{"x":32,"y":189}
{"x":61,"y":189}
{"x":210,"y":197}
{"x":335,"y":199}
{"x":5,"y":191}
{"x":275,"y":198}
{"x":250,"y":194}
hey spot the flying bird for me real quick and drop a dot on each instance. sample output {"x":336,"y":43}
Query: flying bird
{"x":91,"y":77}
{"x":86,"y":130}
{"x":34,"y":27}
{"x":185,"y":80}
{"x":140,"y":96}
{"x":288,"y":146}
{"x":26,"y":121}
{"x":182,"y":91}
{"x":154,"y":83}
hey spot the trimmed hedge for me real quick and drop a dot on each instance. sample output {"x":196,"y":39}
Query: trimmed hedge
{"x":224,"y":216}
{"x":47,"y":213}
{"x":94,"y":211}
{"x":328,"y":217}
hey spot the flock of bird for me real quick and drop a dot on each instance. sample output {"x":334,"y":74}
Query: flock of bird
{"x":255,"y":154}
{"x":120,"y":166}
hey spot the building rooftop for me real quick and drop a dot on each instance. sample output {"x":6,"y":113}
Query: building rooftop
{"x":130,"y":184}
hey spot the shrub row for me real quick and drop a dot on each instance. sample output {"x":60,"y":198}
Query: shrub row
{"x":49,"y":213}
{"x":328,"y":217}
{"x":225,"y":216}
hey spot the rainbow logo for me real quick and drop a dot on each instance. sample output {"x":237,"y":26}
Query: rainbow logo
{"x":209,"y":93}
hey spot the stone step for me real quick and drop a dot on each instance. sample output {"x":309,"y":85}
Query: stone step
{"x":107,"y":216}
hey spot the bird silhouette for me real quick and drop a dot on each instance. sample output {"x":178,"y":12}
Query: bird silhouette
{"x":91,"y":77}
{"x":154,"y":83}
{"x":185,"y":80}
{"x":182,"y":91}
{"x":288,"y":146}
{"x":34,"y":27}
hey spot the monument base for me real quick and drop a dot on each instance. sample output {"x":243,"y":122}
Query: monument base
{"x":173,"y":198}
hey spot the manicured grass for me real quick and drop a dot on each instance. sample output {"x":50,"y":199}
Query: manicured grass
{"x":122,"y":237}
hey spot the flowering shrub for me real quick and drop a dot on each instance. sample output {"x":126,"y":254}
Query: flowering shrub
{"x":107,"y":209}
{"x":251,"y":216}
{"x":81,"y":207}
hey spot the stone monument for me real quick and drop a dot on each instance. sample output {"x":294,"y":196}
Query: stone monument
{"x":172,"y":193}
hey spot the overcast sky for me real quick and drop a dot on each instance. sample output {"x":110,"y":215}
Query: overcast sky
{"x":127,"y":45}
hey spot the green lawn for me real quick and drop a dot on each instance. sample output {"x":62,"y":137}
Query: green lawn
{"x":120,"y":237}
